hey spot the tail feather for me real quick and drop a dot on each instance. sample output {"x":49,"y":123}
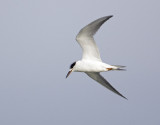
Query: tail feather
{"x":119,"y":67}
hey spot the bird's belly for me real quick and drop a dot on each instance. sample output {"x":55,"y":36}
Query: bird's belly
{"x":89,"y":67}
{"x":92,"y":70}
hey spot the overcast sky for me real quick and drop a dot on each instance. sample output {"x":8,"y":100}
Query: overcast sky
{"x":37,"y":45}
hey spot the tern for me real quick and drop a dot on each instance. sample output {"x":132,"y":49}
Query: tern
{"x":91,"y":62}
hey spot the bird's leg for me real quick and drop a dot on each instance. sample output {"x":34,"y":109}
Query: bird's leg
{"x":109,"y":69}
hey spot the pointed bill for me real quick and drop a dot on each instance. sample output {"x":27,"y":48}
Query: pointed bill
{"x":68,"y":73}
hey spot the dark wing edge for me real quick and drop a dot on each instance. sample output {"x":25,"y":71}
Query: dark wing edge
{"x":100,"y":79}
{"x":90,"y":29}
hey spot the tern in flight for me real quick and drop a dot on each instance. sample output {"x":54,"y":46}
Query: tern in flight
{"x":91,"y":62}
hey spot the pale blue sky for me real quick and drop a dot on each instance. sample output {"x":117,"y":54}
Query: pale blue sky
{"x":37,"y":45}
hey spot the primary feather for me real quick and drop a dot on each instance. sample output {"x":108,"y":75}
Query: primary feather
{"x":86,"y":40}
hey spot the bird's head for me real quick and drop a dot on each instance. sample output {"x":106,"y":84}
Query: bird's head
{"x":71,"y":69}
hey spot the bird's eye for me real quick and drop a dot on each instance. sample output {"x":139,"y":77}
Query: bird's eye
{"x":72,"y":65}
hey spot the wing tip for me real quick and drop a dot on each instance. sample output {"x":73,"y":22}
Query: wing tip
{"x":124,"y":97}
{"x":121,"y":95}
{"x":110,"y":16}
{"x":107,"y":17}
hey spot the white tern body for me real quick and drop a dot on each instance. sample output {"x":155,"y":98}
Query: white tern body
{"x":91,"y":62}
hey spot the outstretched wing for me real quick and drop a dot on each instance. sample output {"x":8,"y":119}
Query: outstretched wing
{"x":86,"y":40}
{"x":97,"y":77}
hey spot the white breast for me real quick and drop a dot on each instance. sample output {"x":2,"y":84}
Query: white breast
{"x":89,"y":66}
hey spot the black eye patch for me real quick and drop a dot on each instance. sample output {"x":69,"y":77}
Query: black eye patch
{"x":72,"y":65}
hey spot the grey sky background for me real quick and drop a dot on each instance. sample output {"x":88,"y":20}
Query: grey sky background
{"x":37,"y":45}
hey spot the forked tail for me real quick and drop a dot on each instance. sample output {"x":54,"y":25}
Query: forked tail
{"x":118,"y":67}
